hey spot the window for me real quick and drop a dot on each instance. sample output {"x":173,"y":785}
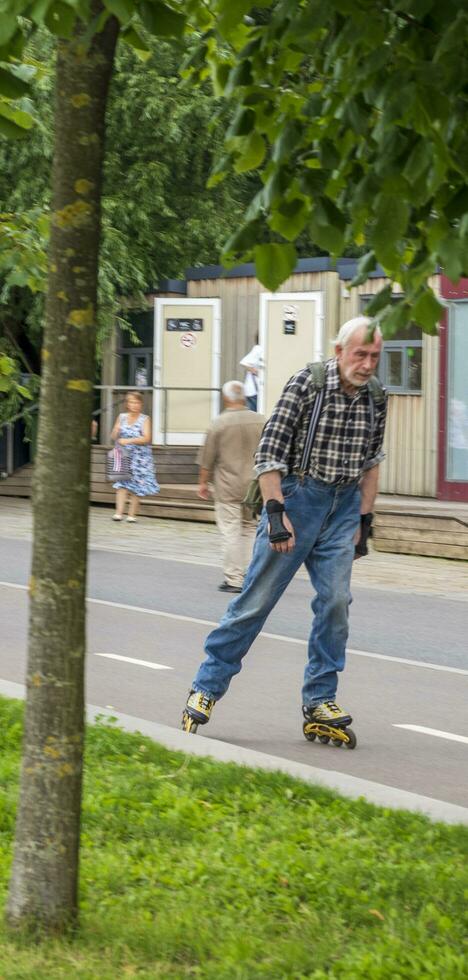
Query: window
{"x":136,"y":362}
{"x":142,"y":325}
{"x":457,"y":397}
{"x":400,"y":367}
{"x":136,"y":367}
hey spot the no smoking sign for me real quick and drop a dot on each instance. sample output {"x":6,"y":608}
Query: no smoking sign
{"x":188,"y":340}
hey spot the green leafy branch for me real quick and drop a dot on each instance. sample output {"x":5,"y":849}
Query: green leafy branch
{"x":353,"y":115}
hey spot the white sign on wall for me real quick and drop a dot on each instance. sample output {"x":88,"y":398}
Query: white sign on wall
{"x":188,"y":340}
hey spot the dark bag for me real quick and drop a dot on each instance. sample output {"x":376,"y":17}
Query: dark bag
{"x":253,"y":500}
{"x":118,"y":464}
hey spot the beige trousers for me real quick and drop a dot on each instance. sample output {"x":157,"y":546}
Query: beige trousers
{"x":237,"y":535}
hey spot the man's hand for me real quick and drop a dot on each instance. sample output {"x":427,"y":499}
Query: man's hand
{"x":363,"y":532}
{"x":288,"y":545}
{"x":203,"y":491}
{"x":281,"y":532}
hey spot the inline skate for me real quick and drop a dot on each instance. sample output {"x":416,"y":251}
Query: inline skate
{"x":197,"y":711}
{"x":328,"y":723}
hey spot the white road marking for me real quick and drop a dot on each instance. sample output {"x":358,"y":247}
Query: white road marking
{"x":269,"y":636}
{"x":147,"y":554}
{"x":133,"y":660}
{"x":411,"y":663}
{"x":154,"y":612}
{"x":433,"y":731}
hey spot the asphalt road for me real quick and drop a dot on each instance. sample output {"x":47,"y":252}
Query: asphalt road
{"x":159,"y":611}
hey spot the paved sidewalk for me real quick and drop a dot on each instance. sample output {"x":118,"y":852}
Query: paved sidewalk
{"x":200,"y":543}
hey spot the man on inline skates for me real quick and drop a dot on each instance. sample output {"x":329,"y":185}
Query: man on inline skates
{"x":317,"y":464}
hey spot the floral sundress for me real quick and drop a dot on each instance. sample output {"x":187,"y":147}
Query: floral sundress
{"x":143,"y":481}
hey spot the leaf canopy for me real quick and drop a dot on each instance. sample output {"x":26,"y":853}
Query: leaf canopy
{"x":360,"y":106}
{"x":351,"y":113}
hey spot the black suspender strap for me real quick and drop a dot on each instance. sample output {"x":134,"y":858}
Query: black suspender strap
{"x":311,"y":431}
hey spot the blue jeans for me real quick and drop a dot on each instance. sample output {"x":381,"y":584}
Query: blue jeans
{"x":251,"y":402}
{"x":325,"y":519}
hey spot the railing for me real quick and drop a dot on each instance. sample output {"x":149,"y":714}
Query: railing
{"x":8,"y":460}
{"x":106,"y":412}
{"x":103,"y":415}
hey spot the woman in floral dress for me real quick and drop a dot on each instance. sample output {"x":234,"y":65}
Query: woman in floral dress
{"x":133,"y":429}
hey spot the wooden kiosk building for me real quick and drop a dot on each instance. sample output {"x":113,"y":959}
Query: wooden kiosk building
{"x":196,"y":331}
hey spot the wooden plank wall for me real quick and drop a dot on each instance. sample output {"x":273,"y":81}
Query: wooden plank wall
{"x":410,"y":466}
{"x":240,"y":310}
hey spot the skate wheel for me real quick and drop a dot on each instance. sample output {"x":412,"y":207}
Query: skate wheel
{"x":188,"y":724}
{"x":310,"y":736}
{"x":338,"y":742}
{"x":351,"y":739}
{"x":324,"y":739}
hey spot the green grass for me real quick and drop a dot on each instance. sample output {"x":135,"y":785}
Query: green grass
{"x":192,"y":868}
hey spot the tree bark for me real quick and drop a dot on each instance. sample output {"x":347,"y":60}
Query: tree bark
{"x":44,"y":881}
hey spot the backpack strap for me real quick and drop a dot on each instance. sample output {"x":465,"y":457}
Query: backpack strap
{"x":318,"y":374}
{"x":376,"y":396}
{"x":376,"y":390}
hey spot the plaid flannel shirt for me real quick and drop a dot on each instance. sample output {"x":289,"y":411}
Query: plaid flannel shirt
{"x":341,"y":450}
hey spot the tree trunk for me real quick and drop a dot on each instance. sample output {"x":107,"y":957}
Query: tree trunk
{"x":44,"y":881}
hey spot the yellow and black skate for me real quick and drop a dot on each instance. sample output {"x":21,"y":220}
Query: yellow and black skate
{"x":197,"y":711}
{"x":328,"y":722}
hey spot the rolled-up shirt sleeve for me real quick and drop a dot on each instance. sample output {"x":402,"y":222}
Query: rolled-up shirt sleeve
{"x":275,"y":446}
{"x":376,"y":453}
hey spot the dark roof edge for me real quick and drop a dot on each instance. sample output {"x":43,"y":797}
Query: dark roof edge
{"x":321,"y":263}
{"x":173,"y":286}
{"x":346,"y":269}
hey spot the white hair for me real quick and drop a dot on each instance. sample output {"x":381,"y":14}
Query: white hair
{"x":352,"y":326}
{"x":234,"y":391}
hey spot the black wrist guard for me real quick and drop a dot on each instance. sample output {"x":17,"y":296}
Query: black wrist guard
{"x":366,"y":532}
{"x":278,"y":532}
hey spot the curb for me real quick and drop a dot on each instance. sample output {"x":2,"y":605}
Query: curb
{"x":350,"y":786}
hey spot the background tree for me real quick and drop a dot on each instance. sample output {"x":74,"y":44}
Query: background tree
{"x":157,"y":215}
{"x":12,"y":391}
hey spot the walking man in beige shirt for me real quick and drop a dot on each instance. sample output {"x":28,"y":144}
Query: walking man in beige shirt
{"x":226,"y":460}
